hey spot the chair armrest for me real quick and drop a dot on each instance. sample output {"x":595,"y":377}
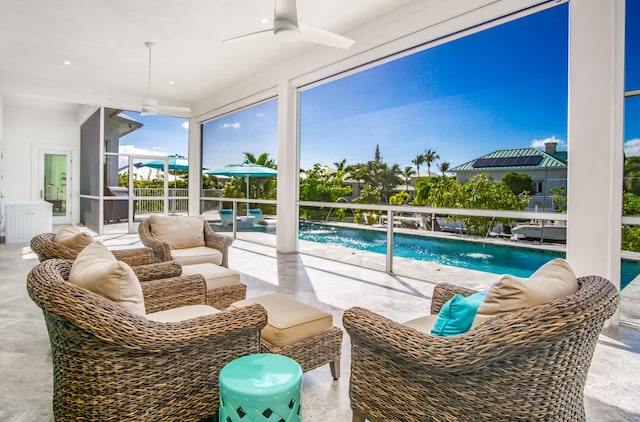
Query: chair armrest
{"x":174,"y":292}
{"x":134,"y":256}
{"x":472,"y":351}
{"x":225,"y":333}
{"x":160,"y":270}
{"x":44,"y":246}
{"x":219,"y":242}
{"x":442,"y":292}
{"x":161,"y":250}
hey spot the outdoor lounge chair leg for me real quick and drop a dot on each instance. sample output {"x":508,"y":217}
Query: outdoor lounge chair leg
{"x":357,"y":418}
{"x":335,"y":369}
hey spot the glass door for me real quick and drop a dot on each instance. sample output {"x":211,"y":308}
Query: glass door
{"x":55,"y":177}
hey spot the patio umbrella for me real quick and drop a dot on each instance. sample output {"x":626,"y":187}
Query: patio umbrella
{"x":245,"y":170}
{"x":176,"y":163}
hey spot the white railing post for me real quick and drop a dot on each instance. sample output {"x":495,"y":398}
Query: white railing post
{"x":389,"y":256}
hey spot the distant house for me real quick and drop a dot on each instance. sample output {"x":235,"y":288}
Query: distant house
{"x":548,"y":169}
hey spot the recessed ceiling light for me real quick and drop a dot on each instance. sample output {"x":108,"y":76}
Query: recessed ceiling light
{"x":264,"y":20}
{"x":171,"y":82}
{"x":67,"y":62}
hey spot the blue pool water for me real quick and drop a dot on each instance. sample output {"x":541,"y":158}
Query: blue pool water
{"x":490,"y":258}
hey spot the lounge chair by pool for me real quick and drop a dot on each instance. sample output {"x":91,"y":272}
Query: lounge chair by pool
{"x":259,"y":217}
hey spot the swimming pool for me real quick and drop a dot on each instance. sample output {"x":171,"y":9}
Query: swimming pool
{"x":521,"y":262}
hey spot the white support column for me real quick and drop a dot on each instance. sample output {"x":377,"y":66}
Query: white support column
{"x":195,"y":173}
{"x":288,"y":173}
{"x":596,"y":72}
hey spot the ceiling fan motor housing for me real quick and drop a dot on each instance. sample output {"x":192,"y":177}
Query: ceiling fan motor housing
{"x":286,"y":30}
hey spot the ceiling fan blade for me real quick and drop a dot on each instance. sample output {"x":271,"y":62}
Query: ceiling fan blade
{"x":173,"y":109}
{"x":320,"y":36}
{"x":250,"y":35}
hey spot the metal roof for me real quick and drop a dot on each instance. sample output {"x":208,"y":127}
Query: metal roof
{"x":557,"y":160}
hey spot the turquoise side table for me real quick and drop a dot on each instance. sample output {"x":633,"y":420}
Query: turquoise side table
{"x":261,"y":387}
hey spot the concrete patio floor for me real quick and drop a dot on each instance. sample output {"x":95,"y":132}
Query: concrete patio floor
{"x":25,"y":361}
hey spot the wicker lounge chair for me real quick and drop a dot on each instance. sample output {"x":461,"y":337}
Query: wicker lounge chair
{"x":162,"y":251}
{"x":140,"y":259}
{"x":527,"y":365}
{"x":112,"y":365}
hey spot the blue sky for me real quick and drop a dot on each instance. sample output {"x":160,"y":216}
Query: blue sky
{"x":505,"y":87}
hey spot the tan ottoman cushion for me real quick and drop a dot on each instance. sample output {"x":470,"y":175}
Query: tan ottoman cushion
{"x":182,"y":313}
{"x":197,"y":255}
{"x":214,"y":275}
{"x":289,"y":321}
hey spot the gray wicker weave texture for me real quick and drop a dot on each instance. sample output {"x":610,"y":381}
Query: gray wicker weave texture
{"x":528,"y":365}
{"x":162,"y":251}
{"x":111,"y":365}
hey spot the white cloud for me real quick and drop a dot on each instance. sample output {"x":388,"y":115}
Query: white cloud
{"x":186,"y":125}
{"x":539,"y":143}
{"x":632,"y":147}
{"x":259,"y":114}
{"x":235,"y":125}
{"x":132,"y":149}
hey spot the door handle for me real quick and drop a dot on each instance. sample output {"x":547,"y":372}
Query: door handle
{"x":41,"y":194}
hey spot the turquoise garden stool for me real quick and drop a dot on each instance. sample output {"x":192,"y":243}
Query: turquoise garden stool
{"x":261,"y":387}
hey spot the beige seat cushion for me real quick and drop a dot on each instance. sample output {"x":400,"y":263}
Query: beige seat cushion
{"x":182,"y":313}
{"x":215,"y":275}
{"x":289,"y":321}
{"x":97,"y":270}
{"x":72,"y":237}
{"x":423,"y":324}
{"x":178,"y":231}
{"x":197,"y":255}
{"x":553,"y":280}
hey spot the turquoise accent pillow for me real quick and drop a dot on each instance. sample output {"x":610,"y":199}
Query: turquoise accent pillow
{"x":457,"y":314}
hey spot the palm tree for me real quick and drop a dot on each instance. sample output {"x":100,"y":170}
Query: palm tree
{"x":430,"y":157}
{"x":341,"y":165}
{"x":444,"y":167}
{"x":357,"y":173}
{"x":263,"y":159}
{"x":418,"y":161}
{"x":407,"y":173}
{"x":261,"y":188}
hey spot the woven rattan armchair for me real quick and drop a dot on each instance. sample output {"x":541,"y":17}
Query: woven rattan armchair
{"x":528,"y":365}
{"x":140,"y":259}
{"x":112,"y":365}
{"x":162,"y":251}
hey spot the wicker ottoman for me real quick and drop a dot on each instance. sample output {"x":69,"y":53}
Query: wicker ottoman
{"x":223,"y":284}
{"x":302,"y":332}
{"x":260,"y":387}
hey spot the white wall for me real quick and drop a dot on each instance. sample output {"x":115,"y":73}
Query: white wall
{"x":24,"y":129}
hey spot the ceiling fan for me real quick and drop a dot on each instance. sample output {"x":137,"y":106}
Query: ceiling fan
{"x":287,"y":27}
{"x":150,"y":107}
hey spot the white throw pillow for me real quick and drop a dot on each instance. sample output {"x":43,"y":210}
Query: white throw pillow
{"x":97,"y":270}
{"x":553,"y":280}
{"x":72,"y":237}
{"x":178,"y":231}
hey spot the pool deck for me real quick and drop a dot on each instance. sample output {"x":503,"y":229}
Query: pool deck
{"x":435,"y":272}
{"x":326,"y":281}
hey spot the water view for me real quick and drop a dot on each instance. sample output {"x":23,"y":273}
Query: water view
{"x":521,"y":262}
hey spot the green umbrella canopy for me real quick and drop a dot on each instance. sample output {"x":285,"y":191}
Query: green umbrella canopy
{"x":246,"y":170}
{"x":175,"y":162}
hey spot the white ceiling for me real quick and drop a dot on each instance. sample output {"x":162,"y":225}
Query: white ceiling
{"x":104,"y":41}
